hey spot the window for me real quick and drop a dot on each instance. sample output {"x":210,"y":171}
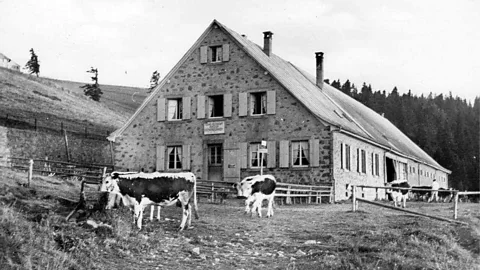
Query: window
{"x":364,"y":163}
{"x":174,"y":155}
{"x":377,"y":165}
{"x":216,"y":54}
{"x":174,"y":109}
{"x":215,"y":155}
{"x":413,"y":169}
{"x":258,"y":103}
{"x":347,"y":157}
{"x":215,"y":106}
{"x":300,"y":154}
{"x":255,"y":156}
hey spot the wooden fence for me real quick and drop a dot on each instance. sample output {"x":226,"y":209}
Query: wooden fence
{"x":455,"y":193}
{"x":285,"y":193}
{"x":91,"y":173}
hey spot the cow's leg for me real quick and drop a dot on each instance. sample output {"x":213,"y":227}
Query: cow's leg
{"x":257,"y":206}
{"x":152,"y":210}
{"x":184,"y":215}
{"x":270,"y":206}
{"x":158,"y":212}
{"x":248,"y":201}
{"x":189,"y":222}
{"x":139,"y":215}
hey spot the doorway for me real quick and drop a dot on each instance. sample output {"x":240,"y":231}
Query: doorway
{"x":215,"y":162}
{"x":391,"y":173}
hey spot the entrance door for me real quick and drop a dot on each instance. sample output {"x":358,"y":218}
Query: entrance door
{"x":215,"y":162}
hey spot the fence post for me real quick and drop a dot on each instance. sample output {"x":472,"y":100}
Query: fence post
{"x":455,"y":205}
{"x":288,"y":200}
{"x":354,"y":198}
{"x":30,"y":172}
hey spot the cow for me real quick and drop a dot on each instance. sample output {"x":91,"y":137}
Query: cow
{"x":421,"y":195}
{"x":398,"y":195}
{"x":138,"y":190}
{"x":256,"y":189}
{"x":445,"y":195}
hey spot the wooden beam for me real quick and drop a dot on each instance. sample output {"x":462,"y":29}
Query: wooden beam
{"x":410,"y":212}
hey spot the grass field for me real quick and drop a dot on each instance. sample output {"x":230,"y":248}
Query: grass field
{"x":35,"y":235}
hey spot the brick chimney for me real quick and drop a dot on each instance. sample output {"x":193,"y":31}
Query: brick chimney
{"x":319,"y":58}
{"x":267,"y":42}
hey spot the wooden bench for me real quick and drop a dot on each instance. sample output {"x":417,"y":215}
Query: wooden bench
{"x":294,"y":193}
{"x":215,"y":190}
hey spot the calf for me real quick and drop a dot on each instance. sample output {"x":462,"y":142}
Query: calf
{"x":398,"y":195}
{"x":138,"y":190}
{"x":256,"y":189}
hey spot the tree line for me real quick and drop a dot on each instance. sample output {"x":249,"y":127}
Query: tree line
{"x":445,"y":127}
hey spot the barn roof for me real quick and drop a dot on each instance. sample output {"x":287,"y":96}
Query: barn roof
{"x":328,"y":104}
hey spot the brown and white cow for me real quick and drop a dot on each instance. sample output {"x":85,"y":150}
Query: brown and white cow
{"x":139,"y":190}
{"x":398,"y":195}
{"x":256,"y":189}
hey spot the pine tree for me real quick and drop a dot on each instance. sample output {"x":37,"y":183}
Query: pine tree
{"x":93,"y":90}
{"x":154,"y":81}
{"x":33,"y":65}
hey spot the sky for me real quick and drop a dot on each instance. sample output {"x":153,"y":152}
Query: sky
{"x":423,"y":46}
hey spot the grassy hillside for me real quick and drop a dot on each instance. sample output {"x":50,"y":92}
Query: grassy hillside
{"x":35,"y":235}
{"x":53,"y":102}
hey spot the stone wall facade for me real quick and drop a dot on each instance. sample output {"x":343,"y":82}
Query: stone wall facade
{"x":136,"y":148}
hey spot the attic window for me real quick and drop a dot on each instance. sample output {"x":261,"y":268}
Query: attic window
{"x":215,"y":54}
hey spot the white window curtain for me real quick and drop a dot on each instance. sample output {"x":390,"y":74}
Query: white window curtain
{"x":211,"y":106}
{"x":172,"y":109}
{"x":300,"y":154}
{"x":264,"y":103}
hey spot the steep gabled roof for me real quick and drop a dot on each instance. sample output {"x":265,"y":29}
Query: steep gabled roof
{"x":328,"y":104}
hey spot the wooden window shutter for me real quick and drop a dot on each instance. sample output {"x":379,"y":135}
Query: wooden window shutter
{"x":160,"y":166}
{"x":226,"y":52}
{"x":271,"y":102}
{"x":161,"y":109}
{"x":186,"y":103}
{"x":227,"y":105}
{"x":284,"y":154}
{"x":203,"y":54}
{"x":272,"y":154}
{"x":200,"y":107}
{"x":186,"y":157}
{"x":314,"y":152}
{"x":243,"y":154}
{"x":242,"y":104}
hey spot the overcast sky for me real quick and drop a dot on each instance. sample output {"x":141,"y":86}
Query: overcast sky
{"x":425,"y":46}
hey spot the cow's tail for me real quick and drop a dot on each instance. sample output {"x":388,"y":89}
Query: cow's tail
{"x":195,"y":207}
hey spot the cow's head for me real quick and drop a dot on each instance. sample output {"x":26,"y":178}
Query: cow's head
{"x":110,"y":183}
{"x":244,"y":187}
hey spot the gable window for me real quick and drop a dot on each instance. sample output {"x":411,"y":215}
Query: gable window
{"x":255,"y":156}
{"x":215,"y":106}
{"x":215,"y":54}
{"x":174,"y":157}
{"x":300,"y":154}
{"x":174,"y":110}
{"x":258,"y":103}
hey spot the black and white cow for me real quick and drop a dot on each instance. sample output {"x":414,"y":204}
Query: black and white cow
{"x":139,"y":190}
{"x":256,"y":189}
{"x":398,"y":195}
{"x":421,"y":195}
{"x":445,"y":195}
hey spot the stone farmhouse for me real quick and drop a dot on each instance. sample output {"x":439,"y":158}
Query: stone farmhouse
{"x":228,"y":99}
{"x":8,"y":63}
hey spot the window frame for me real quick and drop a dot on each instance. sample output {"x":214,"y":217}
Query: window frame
{"x":258,"y":100}
{"x":178,"y":114}
{"x":216,"y":52}
{"x":302,"y":145}
{"x":212,"y":105}
{"x":177,"y":155}
{"x":253,"y":149}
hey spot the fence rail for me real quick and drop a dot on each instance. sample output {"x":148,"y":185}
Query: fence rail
{"x":91,"y":173}
{"x":285,"y":193}
{"x":52,"y":124}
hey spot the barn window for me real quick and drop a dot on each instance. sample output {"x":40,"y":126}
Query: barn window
{"x":174,"y":110}
{"x":258,"y":103}
{"x":364,"y":163}
{"x":255,"y":156}
{"x":215,"y":54}
{"x":377,"y":165}
{"x":174,"y":155}
{"x":347,"y":157}
{"x":215,"y":106}
{"x":300,"y":154}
